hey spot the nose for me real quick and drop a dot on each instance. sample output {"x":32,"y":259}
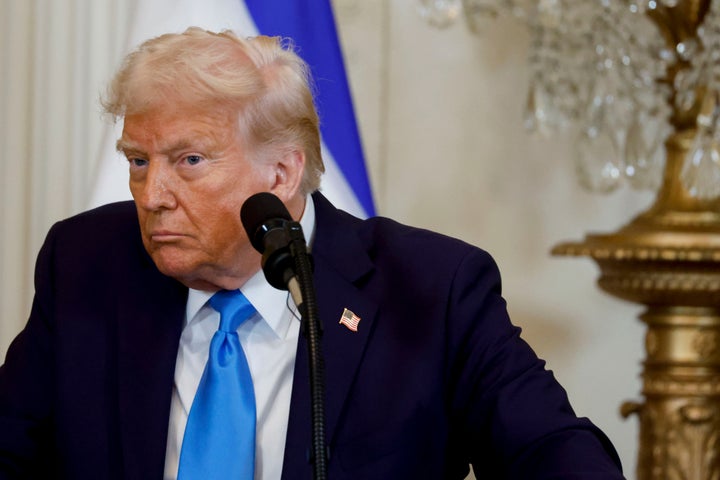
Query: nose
{"x":155,"y":191}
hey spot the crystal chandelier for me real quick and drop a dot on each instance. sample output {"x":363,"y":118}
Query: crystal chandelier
{"x":602,"y":70}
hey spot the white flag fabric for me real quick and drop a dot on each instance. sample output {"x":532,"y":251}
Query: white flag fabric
{"x":311,"y":25}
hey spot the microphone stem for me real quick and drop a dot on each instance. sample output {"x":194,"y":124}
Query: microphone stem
{"x":313,"y":332}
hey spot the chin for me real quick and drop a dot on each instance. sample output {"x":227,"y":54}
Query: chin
{"x":178,"y":268}
{"x":191,"y":274}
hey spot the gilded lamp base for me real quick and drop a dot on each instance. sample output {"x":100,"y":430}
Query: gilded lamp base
{"x":668,"y":259}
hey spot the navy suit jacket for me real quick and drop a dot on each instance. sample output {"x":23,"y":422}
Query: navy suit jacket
{"x":435,"y":378}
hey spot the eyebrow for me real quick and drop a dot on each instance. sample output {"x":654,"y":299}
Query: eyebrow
{"x":123,"y":145}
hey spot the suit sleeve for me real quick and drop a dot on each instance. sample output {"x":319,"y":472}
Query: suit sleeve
{"x":514,"y":417}
{"x":26,"y":384}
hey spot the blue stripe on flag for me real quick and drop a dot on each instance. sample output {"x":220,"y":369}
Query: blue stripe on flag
{"x":311,"y":25}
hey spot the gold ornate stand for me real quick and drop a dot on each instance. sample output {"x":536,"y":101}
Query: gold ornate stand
{"x":668,"y":259}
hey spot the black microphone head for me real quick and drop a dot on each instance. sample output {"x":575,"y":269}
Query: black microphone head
{"x":257,"y":212}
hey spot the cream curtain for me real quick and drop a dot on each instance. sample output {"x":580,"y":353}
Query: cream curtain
{"x":55,"y":57}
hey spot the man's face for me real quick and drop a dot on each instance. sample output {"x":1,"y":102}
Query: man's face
{"x":189,"y":175}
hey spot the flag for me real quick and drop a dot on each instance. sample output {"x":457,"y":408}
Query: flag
{"x":311,"y":26}
{"x":350,"y":320}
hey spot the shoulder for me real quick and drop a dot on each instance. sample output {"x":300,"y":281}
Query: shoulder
{"x":386,"y":233}
{"x":101,"y":225}
{"x":109,"y":218}
{"x":430,"y":261}
{"x":106,"y":235}
{"x":392,"y":234}
{"x":397,"y":249}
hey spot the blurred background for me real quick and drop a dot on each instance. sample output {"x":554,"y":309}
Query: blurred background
{"x":440,"y":113}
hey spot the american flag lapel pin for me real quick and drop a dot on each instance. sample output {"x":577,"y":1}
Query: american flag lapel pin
{"x":350,"y":320}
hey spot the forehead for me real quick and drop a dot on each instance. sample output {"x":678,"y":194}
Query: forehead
{"x":179,"y":126}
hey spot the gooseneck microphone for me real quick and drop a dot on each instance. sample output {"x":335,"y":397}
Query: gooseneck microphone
{"x":287,"y":265}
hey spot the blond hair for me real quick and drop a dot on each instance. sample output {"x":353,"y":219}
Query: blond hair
{"x":261,"y":77}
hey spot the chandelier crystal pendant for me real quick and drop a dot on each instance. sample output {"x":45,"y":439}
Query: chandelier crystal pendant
{"x":701,"y":169}
{"x":598,"y":70}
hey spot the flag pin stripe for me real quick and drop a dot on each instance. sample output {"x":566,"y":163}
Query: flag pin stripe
{"x":350,"y":320}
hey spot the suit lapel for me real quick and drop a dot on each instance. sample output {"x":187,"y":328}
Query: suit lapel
{"x":150,"y":320}
{"x":341,"y":265}
{"x":342,"y":348}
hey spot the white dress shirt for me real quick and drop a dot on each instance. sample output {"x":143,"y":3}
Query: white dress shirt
{"x":269,"y":340}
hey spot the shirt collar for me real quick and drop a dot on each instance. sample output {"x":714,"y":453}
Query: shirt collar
{"x":269,"y":302}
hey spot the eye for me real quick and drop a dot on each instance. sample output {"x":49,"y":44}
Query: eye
{"x":137,"y":162}
{"x":193,"y":159}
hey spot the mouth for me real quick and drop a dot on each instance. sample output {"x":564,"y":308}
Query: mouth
{"x":165,"y":236}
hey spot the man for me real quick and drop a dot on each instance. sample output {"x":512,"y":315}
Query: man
{"x":101,"y":382}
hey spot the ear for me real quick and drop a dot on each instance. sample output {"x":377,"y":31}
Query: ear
{"x":288,"y":172}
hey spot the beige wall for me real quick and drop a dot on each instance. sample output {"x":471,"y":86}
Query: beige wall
{"x":441,"y":119}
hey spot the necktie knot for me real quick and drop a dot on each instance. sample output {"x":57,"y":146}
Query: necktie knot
{"x":234,"y":309}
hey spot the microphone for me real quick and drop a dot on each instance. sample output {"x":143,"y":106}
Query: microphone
{"x":267,"y":223}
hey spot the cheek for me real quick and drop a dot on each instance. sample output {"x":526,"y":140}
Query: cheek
{"x":142,"y":221}
{"x":232,"y":230}
{"x":221,"y":225}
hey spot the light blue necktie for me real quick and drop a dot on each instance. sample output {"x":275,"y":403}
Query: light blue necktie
{"x":219,"y":440}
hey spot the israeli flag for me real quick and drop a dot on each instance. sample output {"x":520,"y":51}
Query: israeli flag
{"x":311,"y":26}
